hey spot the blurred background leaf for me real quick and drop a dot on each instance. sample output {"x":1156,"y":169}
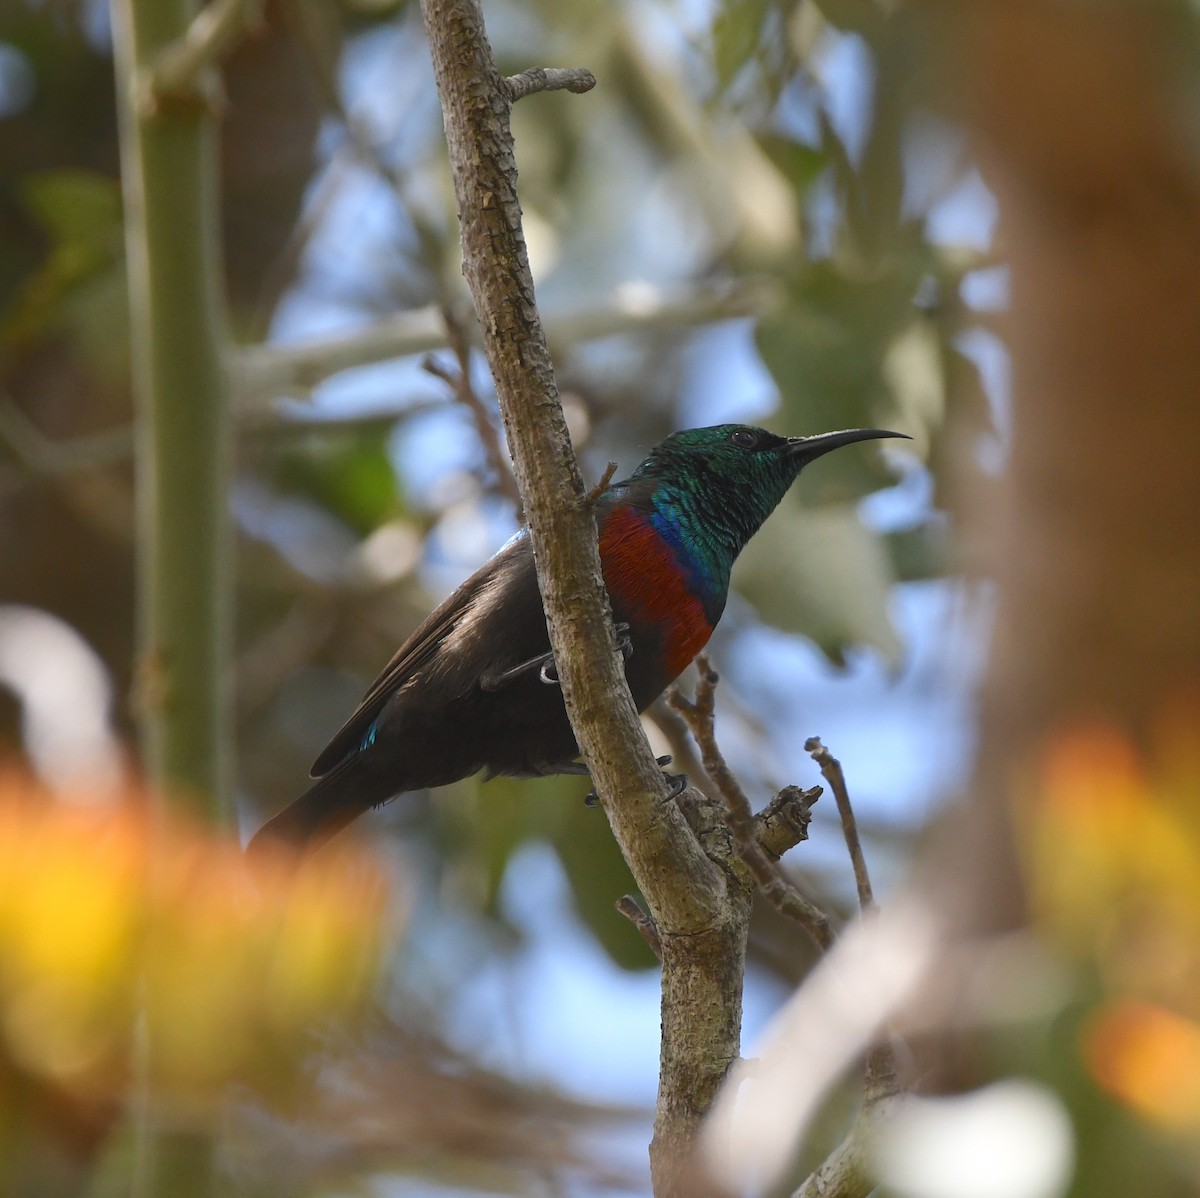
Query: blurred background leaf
{"x":836,"y":578}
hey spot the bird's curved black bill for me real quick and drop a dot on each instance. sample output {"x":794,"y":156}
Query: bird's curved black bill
{"x":809,"y":448}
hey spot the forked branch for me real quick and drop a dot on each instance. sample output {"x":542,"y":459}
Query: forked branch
{"x":783,"y":895}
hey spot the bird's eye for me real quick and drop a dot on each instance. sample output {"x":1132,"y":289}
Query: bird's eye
{"x":743,"y":438}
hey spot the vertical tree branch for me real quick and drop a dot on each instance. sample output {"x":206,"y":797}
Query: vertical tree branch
{"x":700,"y":918}
{"x":183,"y":434}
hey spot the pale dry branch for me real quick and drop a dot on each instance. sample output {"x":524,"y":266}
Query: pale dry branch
{"x":263,"y":372}
{"x":49,"y":456}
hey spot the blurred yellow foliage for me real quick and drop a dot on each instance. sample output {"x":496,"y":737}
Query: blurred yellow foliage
{"x":1113,"y":840}
{"x":114,"y":922}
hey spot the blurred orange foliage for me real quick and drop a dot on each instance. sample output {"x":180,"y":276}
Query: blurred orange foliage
{"x":1148,"y":1057}
{"x":1113,"y":841}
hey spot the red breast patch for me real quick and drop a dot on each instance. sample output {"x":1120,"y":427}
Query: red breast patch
{"x":642,"y":575}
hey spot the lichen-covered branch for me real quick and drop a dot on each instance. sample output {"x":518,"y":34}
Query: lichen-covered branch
{"x":783,"y":823}
{"x":475,"y":109}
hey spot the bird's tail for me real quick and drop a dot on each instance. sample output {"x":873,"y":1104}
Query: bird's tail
{"x":332,"y":802}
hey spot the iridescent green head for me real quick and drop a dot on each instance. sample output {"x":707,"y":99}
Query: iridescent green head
{"x":707,"y":491}
{"x":732,"y":476}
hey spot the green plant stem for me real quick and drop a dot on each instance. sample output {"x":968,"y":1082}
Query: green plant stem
{"x":183,"y":436}
{"x":182,"y":451}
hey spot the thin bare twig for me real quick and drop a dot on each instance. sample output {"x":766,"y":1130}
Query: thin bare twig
{"x":362,"y":145}
{"x":880,"y":1076}
{"x":460,"y":383}
{"x":770,"y":878}
{"x":50,"y":457}
{"x":548,"y":79}
{"x":831,"y":771}
{"x":632,"y":910}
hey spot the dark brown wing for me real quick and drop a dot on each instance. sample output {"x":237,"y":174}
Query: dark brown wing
{"x":514,"y":561}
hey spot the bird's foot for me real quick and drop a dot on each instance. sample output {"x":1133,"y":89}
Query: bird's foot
{"x":559,"y":767}
{"x":544,"y":664}
{"x":549,"y":674}
{"x":624,"y":641}
{"x":677,"y":782}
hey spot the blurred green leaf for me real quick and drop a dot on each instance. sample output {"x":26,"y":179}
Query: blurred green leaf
{"x":80,"y":212}
{"x":79,"y":286}
{"x":349,"y":473}
{"x":857,"y":16}
{"x":736,"y":32}
{"x":822,"y":573}
{"x":599,"y":877}
{"x":826,"y":352}
{"x":508,"y":812}
{"x":912,"y":368}
{"x":971,"y":420}
{"x":800,"y":164}
{"x":964,"y":383}
{"x":919,"y":554}
{"x":501,"y":823}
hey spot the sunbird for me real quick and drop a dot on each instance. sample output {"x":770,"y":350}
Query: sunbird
{"x":474,"y":688}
